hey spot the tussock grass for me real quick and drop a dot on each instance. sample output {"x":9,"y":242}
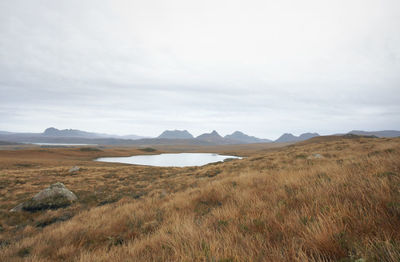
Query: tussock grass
{"x":148,"y":149}
{"x":274,"y":206}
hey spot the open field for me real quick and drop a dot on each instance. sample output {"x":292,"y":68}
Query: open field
{"x":281,"y":203}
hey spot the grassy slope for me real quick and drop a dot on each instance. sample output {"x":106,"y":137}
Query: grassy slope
{"x":280,"y":205}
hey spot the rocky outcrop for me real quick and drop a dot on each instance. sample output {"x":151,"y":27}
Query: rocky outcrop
{"x":53,"y":197}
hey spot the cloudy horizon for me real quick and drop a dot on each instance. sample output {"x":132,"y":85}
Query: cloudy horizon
{"x":261,"y":67}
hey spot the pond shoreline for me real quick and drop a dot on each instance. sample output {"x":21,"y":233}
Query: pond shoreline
{"x":170,"y":159}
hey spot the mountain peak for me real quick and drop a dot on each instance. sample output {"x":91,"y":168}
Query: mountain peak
{"x":176,"y":134}
{"x":288,"y":137}
{"x":243,"y":138}
{"x":50,"y":131}
{"x":237,"y":133}
{"x":306,"y":136}
{"x":213,"y":136}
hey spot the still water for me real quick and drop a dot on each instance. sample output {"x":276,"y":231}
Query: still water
{"x":169,"y":160}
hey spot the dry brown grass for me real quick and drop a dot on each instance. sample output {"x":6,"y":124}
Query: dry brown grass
{"x":280,"y":205}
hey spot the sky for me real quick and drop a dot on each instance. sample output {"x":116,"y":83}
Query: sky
{"x":141,"y":67}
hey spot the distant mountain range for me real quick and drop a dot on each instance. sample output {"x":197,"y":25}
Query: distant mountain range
{"x":54,"y":132}
{"x":384,"y":133}
{"x":168,"y":137}
{"x":54,"y":135}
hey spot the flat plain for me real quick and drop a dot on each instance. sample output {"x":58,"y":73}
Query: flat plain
{"x":333,"y":198}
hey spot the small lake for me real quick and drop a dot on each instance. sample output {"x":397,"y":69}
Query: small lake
{"x":169,"y":160}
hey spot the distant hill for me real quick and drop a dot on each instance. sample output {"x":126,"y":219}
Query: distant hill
{"x":241,"y":137}
{"x":330,"y":138}
{"x":384,"y":133}
{"x":306,"y":136}
{"x":53,"y":135}
{"x":287,"y":137}
{"x":212,"y":137}
{"x":176,"y":134}
{"x":51,"y":131}
{"x":54,"y":132}
{"x":6,"y":143}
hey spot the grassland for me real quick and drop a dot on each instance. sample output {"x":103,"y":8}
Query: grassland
{"x":278,"y":204}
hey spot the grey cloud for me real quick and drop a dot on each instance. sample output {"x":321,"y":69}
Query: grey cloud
{"x":141,"y":67}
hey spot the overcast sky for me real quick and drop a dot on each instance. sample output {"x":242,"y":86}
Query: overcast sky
{"x":140,"y":67}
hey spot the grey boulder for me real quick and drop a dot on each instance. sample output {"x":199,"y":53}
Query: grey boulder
{"x":315,"y":156}
{"x":53,"y":197}
{"x":74,"y":169}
